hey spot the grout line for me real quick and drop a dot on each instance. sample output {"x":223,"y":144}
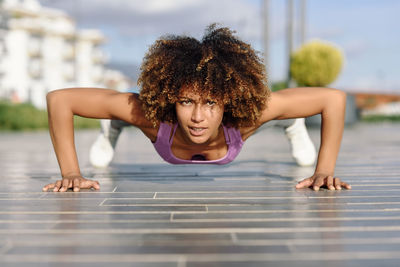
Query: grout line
{"x":218,"y":242}
{"x":240,"y":179}
{"x":101,"y":212}
{"x":6,"y":247}
{"x":214,"y":230}
{"x":354,"y":189}
{"x":280,"y":198}
{"x":101,"y":204}
{"x":155,"y":205}
{"x":234,"y":238}
{"x":83,"y":221}
{"x":249,"y":220}
{"x":217,"y":220}
{"x":199,"y":211}
{"x":208,"y":258}
{"x":370,"y":203}
{"x":182,"y":261}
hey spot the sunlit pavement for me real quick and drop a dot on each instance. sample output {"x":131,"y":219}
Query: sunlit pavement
{"x":149,"y":213}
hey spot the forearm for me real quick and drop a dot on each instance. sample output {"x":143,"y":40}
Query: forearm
{"x":61,"y":129}
{"x":331,"y":133}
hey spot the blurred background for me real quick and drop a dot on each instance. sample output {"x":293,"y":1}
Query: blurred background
{"x":51,"y":44}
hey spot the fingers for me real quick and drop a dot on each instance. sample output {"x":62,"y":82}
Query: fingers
{"x":318,"y":182}
{"x":49,"y":186}
{"x":338,"y":184}
{"x":329,"y":182}
{"x":77,"y":184}
{"x":345,"y":185}
{"x":65,"y":185}
{"x":57,"y":186}
{"x":305,"y":183}
{"x":87,"y":184}
{"x":96,"y":185}
{"x":90,"y":184}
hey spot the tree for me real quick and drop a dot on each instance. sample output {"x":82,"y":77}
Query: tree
{"x":316,"y":63}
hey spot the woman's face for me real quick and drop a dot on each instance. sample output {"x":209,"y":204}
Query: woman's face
{"x":199,"y":118}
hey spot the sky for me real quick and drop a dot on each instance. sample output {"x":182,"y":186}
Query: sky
{"x":367,"y":31}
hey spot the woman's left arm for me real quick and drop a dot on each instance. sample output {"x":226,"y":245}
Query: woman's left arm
{"x":308,"y":101}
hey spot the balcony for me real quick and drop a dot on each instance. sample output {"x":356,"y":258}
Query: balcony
{"x":98,"y":74}
{"x":69,"y":72}
{"x":99,"y":57}
{"x":3,"y":48}
{"x":69,"y":51}
{"x":35,"y":68}
{"x":35,"y":47}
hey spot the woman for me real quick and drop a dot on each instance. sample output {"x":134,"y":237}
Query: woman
{"x":199,"y":102}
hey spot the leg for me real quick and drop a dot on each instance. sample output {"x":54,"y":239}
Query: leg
{"x":276,"y":123}
{"x":118,"y":124}
{"x":303,"y":149}
{"x":102,"y":150}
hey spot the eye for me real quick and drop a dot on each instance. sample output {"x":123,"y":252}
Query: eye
{"x":211,"y":102}
{"x":185,"y":102}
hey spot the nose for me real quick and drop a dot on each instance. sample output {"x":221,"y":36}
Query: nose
{"x":197,"y":114}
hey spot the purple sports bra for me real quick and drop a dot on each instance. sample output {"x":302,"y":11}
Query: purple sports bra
{"x":163,"y":146}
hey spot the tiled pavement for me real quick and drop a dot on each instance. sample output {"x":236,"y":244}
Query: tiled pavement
{"x":149,"y":213}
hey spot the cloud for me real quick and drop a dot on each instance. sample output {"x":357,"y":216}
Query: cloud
{"x":157,"y":17}
{"x":364,"y":29}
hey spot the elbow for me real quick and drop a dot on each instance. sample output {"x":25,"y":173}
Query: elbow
{"x":340,"y":98}
{"x":52,"y":98}
{"x":341,"y":94}
{"x":337,"y":103}
{"x":55,"y":100}
{"x":336,"y":98}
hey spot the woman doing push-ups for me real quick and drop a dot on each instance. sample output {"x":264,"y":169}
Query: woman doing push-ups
{"x":199,"y":101}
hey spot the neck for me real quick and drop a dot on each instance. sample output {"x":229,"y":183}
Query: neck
{"x":213,"y":141}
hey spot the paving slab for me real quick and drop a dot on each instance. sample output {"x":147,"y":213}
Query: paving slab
{"x":247,"y":213}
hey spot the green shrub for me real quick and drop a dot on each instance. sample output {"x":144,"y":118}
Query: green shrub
{"x":24,"y":116}
{"x":276,"y":86}
{"x":316,"y":63}
{"x":21,"y":116}
{"x":85,"y":123}
{"x":381,"y":118}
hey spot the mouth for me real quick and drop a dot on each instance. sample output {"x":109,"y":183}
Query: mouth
{"x":197,"y":131}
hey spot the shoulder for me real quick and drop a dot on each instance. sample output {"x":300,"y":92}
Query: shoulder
{"x":271,"y":111}
{"x":128,"y":107}
{"x":162,"y":129}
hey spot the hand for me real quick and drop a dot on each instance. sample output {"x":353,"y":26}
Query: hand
{"x":76,"y":182}
{"x":318,"y":180}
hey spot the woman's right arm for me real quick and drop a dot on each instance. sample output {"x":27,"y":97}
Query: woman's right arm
{"x":63,"y":104}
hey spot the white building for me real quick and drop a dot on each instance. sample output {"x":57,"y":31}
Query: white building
{"x":41,"y":50}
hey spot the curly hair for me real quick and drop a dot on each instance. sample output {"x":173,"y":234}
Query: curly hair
{"x":221,"y":66}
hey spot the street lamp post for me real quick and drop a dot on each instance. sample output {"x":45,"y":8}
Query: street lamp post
{"x":289,"y":38}
{"x":266,"y":25}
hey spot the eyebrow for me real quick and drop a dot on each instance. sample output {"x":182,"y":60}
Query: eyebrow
{"x":180,"y":98}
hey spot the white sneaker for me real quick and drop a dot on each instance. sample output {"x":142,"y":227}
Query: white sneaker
{"x":102,"y":150}
{"x":303,"y":149}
